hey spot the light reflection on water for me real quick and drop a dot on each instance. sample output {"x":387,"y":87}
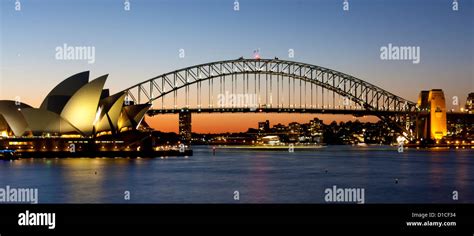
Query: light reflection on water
{"x":415,"y":176}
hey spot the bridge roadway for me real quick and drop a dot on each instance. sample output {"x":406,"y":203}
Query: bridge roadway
{"x":360,"y":112}
{"x":357,"y":113}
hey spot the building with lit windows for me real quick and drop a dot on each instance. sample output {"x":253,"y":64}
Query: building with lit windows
{"x":470,"y":103}
{"x":185,"y":127}
{"x":264,"y":126}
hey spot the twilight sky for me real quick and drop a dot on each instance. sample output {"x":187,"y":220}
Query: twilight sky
{"x":132,"y":46}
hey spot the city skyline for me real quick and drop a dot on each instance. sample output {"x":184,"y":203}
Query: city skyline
{"x":142,"y":43}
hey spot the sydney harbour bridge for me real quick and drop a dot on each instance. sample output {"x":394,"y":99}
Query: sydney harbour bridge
{"x":270,"y":86}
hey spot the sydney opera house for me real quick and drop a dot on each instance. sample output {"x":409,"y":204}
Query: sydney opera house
{"x":76,"y":112}
{"x":76,"y":106}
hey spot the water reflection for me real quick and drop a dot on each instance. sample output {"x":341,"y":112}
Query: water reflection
{"x":424,"y":176}
{"x":257,"y":180}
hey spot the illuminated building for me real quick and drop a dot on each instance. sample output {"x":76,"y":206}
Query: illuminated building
{"x":185,"y":126}
{"x":431,"y":120}
{"x":264,"y":126}
{"x":76,"y":107}
{"x":438,"y":121}
{"x":316,"y":130}
{"x":271,"y":140}
{"x":279,"y":128}
{"x":295,"y":130}
{"x":470,"y":103}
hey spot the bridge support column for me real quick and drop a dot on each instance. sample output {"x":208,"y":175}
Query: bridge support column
{"x":432,"y":121}
{"x":185,"y":126}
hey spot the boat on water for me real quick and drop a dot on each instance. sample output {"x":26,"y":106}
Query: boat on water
{"x":8,"y":155}
{"x":362,"y":145}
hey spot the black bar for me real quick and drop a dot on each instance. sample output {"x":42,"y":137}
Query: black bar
{"x":383,"y":218}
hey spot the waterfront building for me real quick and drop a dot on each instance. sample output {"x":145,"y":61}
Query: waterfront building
{"x":75,"y":107}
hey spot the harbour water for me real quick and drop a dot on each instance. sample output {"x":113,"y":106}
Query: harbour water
{"x":259,"y":176}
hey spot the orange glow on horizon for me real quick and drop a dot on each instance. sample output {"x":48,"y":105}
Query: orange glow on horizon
{"x":241,"y":122}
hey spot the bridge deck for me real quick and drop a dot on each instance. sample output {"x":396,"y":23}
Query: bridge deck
{"x":153,"y":112}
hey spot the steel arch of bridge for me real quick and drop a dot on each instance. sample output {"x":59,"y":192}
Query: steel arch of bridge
{"x":369,"y":97}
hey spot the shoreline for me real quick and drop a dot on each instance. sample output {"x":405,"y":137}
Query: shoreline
{"x":105,"y":154}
